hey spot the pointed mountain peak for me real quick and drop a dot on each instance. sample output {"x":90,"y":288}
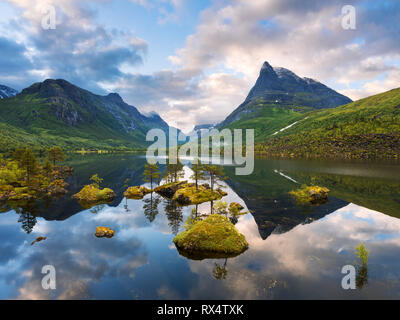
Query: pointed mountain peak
{"x":267,"y":68}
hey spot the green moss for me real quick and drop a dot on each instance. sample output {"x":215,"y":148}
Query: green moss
{"x":189,"y":195}
{"x":168,"y":190}
{"x":136,"y":192}
{"x":365,"y":129}
{"x":89,"y":193}
{"x":311,"y":194}
{"x":213,"y":235}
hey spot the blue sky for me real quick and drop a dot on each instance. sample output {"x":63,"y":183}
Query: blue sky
{"x":194,"y":62}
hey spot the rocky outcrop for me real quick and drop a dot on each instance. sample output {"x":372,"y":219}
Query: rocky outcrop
{"x":136,"y":192}
{"x":188,"y":194}
{"x":211,"y":237}
{"x":168,"y":190}
{"x":102,"y":232}
{"x":90,"y":196}
{"x":311,"y":194}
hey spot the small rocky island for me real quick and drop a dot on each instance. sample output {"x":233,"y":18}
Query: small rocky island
{"x":136,"y":192}
{"x":314,"y":195}
{"x":92,"y":194}
{"x":213,"y":237}
{"x":102,"y":232}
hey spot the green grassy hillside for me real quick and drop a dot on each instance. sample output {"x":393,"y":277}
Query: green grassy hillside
{"x":367,"y":128}
{"x":28,"y":121}
{"x":266,"y":119}
{"x":55,"y":112}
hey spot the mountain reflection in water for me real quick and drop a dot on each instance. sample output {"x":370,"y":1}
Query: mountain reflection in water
{"x":294,"y":252}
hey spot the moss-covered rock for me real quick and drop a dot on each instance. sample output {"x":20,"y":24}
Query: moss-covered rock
{"x":136,"y":192}
{"x":311,"y":194}
{"x":90,"y":193}
{"x":102,"y":232}
{"x":57,"y":187}
{"x":188,"y":195}
{"x":215,"y":235}
{"x":168,"y":190}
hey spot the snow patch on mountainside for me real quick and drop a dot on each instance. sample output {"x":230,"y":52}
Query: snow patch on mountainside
{"x":289,"y":126}
{"x":7,"y":92}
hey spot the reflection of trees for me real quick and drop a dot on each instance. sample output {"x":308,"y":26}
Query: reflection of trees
{"x":97,"y":209}
{"x":151,"y":207}
{"x":362,"y":276}
{"x":27,"y":215}
{"x":220,"y":271}
{"x":362,"y":266}
{"x":174,"y":215}
{"x":233,"y":219}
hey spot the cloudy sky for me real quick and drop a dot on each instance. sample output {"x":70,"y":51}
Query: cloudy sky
{"x":195,"y":61}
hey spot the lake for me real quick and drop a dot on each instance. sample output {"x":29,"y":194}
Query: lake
{"x":295,"y":251}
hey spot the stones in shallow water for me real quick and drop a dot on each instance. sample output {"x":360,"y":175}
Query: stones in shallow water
{"x":311,"y":194}
{"x":102,"y":232}
{"x":213,"y":237}
{"x":136,"y":192}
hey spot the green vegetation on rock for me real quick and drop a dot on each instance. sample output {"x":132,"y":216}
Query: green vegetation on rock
{"x":90,"y":193}
{"x":136,"y":192}
{"x":364,"y":129}
{"x":188,"y":194}
{"x":311,"y":194}
{"x":213,"y":235}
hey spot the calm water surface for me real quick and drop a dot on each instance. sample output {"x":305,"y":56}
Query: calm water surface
{"x":296,"y":252}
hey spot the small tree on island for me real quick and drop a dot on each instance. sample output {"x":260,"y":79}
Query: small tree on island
{"x":151,"y":174}
{"x":55,"y":154}
{"x":174,"y":172}
{"x":29,"y":163}
{"x":215,"y":173}
{"x":48,"y":168}
{"x":96,"y":181}
{"x":198,"y":172}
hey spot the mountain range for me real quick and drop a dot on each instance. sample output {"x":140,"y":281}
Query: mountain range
{"x":300,"y":117}
{"x":56,"y":112}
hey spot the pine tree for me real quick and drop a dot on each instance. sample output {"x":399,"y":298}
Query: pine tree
{"x":151,"y":173}
{"x":96,"y":180}
{"x":48,"y":168}
{"x":174,"y":172}
{"x":215,"y":173}
{"x":55,"y":154}
{"x":28,"y":162}
{"x":198,"y":172}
